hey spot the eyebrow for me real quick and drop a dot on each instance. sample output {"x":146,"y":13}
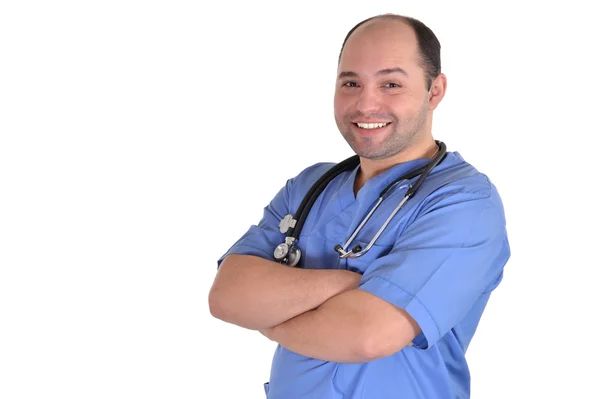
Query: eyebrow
{"x":387,"y":71}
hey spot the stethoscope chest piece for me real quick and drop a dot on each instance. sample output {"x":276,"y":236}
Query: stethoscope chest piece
{"x":287,"y":252}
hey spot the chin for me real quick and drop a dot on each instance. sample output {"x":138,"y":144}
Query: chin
{"x":369,"y":152}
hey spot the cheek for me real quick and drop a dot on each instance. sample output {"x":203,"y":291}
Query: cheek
{"x":402,"y":107}
{"x":412,"y":102}
{"x":341,"y":104}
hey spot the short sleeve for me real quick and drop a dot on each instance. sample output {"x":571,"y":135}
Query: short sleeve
{"x":262,"y":238}
{"x":443,"y":262}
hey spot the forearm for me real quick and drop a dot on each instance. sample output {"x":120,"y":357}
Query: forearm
{"x":353,"y":327}
{"x":322,"y":334}
{"x":256,"y":293}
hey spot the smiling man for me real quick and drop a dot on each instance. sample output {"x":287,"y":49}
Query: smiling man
{"x":393,"y":316}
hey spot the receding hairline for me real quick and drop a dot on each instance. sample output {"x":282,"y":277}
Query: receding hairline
{"x":373,"y":22}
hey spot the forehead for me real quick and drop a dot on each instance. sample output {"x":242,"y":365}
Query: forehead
{"x":380,"y":44}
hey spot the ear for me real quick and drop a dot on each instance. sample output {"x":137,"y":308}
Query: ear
{"x":437,"y":91}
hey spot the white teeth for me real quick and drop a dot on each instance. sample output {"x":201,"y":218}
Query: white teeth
{"x":371,"y":125}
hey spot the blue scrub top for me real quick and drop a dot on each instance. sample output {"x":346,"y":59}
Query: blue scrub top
{"x":439,"y":259}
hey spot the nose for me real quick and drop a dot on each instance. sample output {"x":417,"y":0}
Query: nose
{"x":368,"y":102}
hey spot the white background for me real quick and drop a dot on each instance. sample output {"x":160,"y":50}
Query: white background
{"x":139,"y":140}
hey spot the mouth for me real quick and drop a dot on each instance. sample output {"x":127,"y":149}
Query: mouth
{"x":369,"y":128}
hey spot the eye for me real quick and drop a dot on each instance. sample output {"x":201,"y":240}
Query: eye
{"x":350,"y":84}
{"x":392,"y":85}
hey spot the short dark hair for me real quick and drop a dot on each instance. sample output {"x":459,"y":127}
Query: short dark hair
{"x":429,"y":45}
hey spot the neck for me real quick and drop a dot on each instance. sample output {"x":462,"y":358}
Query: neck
{"x":370,"y":168}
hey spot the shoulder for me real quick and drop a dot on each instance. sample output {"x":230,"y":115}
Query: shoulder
{"x":458,"y":181}
{"x":302,"y":181}
{"x":459,"y":206}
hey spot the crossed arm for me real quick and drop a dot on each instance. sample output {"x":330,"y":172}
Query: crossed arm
{"x":317,"y":313}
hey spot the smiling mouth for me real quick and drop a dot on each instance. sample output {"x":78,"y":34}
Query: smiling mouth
{"x":371,"y":125}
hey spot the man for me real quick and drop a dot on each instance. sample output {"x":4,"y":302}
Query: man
{"x":397,"y":321}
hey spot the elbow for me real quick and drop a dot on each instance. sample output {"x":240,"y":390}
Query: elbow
{"x":220,"y":297}
{"x":229,"y":309}
{"x":214,"y":305}
{"x":217,"y":303}
{"x":376,"y":345}
{"x":231,"y":299}
{"x":369,"y":350}
{"x":366,"y":345}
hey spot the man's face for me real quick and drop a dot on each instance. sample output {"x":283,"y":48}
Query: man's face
{"x":381,"y":99}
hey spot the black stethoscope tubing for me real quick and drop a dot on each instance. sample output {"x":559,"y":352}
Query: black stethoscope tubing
{"x":349,"y":164}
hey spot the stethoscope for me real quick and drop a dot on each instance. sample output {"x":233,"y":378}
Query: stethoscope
{"x":288,"y":252}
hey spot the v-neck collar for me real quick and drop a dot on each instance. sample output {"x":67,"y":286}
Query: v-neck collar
{"x":373,"y":187}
